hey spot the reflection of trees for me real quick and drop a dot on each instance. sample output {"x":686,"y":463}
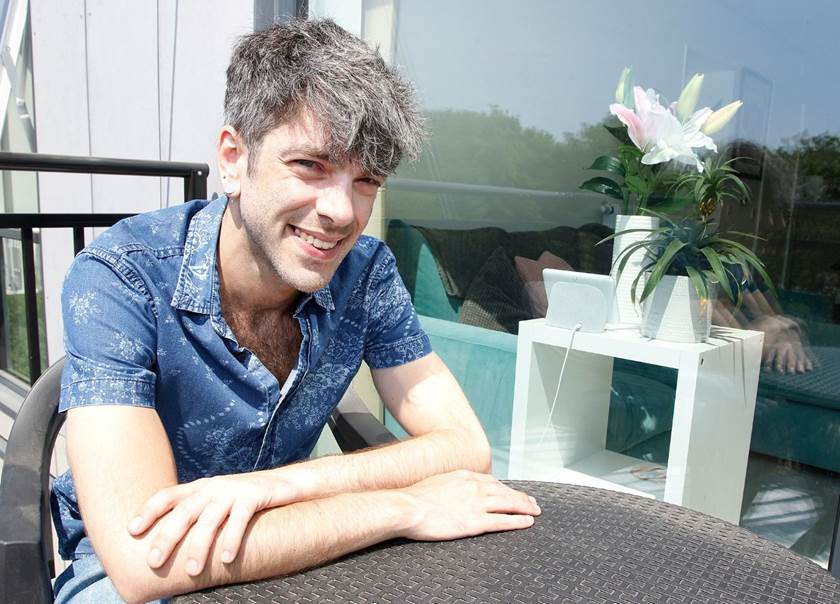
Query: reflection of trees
{"x":494,"y":148}
{"x":799,"y":230}
{"x":818,"y":160}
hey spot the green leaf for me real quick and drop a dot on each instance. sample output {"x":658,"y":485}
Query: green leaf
{"x":636,"y":184}
{"x":717,"y":268}
{"x":620,"y":133}
{"x":745,"y":254}
{"x":624,"y":255}
{"x":645,"y":270}
{"x":698,"y":282}
{"x":608,"y":163}
{"x":620,"y":233}
{"x":662,"y":266}
{"x":603,"y":185}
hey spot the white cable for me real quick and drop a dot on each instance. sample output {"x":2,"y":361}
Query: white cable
{"x":559,"y":381}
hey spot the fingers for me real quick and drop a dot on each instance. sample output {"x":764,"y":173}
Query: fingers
{"x":512,"y":503}
{"x":172,"y":528}
{"x":156,"y":506}
{"x":783,"y":359}
{"x":508,"y":522}
{"x":769,"y":357}
{"x":234,"y":531}
{"x":203,"y":534}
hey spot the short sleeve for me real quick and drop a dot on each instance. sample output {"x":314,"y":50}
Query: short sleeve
{"x":110,"y":335}
{"x":394,"y":335}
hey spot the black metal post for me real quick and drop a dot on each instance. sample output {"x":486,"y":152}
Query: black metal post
{"x":195,"y":185}
{"x":31,"y":304}
{"x":78,"y":239}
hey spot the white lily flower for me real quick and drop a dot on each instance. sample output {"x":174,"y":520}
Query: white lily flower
{"x":655,"y":130}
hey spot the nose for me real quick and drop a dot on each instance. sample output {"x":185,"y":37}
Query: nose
{"x":335,"y":203}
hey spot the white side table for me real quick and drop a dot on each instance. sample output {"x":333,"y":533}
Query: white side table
{"x":713,"y":413}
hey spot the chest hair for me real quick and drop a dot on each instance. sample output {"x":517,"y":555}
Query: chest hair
{"x":271,"y":335}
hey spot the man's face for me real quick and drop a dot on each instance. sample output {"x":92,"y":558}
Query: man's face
{"x":302,"y":213}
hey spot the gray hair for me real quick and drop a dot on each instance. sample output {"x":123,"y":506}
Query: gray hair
{"x":368,"y":112}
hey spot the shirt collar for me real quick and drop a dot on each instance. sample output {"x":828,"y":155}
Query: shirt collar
{"x":198,"y":276}
{"x":198,"y":283}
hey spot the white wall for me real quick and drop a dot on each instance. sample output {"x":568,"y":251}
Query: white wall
{"x":126,"y":79}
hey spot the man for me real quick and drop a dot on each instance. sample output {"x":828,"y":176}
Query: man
{"x":208,"y":343}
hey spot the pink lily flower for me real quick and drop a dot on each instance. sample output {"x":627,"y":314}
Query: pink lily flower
{"x":656,"y":131}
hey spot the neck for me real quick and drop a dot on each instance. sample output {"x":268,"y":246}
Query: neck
{"x":247,"y":282}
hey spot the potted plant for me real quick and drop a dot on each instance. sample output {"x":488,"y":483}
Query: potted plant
{"x":653,"y":136}
{"x":686,"y":261}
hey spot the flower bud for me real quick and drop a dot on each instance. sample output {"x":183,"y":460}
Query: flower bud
{"x":624,"y":86}
{"x":720,"y":117}
{"x":688,"y":97}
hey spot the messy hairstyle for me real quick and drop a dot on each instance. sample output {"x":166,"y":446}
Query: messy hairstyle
{"x":368,"y":112}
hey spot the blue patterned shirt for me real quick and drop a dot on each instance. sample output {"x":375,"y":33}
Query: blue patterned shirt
{"x":144,"y":327}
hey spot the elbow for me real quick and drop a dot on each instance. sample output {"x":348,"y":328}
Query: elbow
{"x":134,"y":580}
{"x":138,"y":587}
{"x":130,"y":588}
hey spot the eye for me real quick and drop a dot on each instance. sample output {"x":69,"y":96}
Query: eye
{"x":307,"y":164}
{"x":369,"y":181}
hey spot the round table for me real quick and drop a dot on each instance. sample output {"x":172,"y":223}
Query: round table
{"x":589,"y":545}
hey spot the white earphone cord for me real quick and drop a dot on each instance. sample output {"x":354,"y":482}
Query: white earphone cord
{"x":559,"y":381}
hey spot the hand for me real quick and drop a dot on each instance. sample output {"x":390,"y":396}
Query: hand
{"x":787,"y":356}
{"x":462,"y":504}
{"x":197,"y":511}
{"x":783,"y":349}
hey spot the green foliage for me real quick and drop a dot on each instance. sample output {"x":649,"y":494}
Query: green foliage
{"x":494,"y":148}
{"x":696,"y":249}
{"x":17,"y":344}
{"x":817,"y":155}
{"x":709,"y":189}
{"x":642,"y":186}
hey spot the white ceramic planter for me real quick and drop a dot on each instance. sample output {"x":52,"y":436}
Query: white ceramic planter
{"x":674,"y":312}
{"x":628,"y":312}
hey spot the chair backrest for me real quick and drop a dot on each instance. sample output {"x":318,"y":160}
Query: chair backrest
{"x":26,"y":560}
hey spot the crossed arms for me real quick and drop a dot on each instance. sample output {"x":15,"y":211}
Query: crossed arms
{"x":226,"y":529}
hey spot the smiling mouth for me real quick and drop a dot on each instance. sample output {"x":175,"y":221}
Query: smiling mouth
{"x":314,"y":241}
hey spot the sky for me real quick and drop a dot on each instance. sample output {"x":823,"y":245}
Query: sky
{"x":554,"y":63}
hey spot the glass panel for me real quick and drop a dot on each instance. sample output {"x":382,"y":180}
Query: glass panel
{"x":516,"y":100}
{"x":19,"y":194}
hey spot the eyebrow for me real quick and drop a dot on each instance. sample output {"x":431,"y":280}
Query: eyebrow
{"x":310,"y":150}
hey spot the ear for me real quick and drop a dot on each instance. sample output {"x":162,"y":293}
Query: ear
{"x":231,"y":154}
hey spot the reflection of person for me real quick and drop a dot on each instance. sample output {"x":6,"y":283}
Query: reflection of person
{"x":785,"y":344}
{"x":208,"y":343}
{"x":786,"y":347}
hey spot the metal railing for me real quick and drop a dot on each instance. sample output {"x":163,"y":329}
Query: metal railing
{"x":195,"y":187}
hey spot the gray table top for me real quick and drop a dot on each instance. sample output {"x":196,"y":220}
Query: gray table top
{"x":589,"y":545}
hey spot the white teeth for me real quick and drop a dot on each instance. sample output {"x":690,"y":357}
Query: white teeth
{"x":321,"y":245}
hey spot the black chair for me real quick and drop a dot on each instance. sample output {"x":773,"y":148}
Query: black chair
{"x":26,"y":552}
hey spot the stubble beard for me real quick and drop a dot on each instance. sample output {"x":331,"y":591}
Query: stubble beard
{"x":268,"y":248}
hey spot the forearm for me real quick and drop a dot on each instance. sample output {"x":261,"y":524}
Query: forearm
{"x":401,"y":463}
{"x":279,"y":541}
{"x":427,"y":401}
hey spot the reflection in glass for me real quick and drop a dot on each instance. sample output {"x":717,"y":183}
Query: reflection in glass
{"x":516,"y":100}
